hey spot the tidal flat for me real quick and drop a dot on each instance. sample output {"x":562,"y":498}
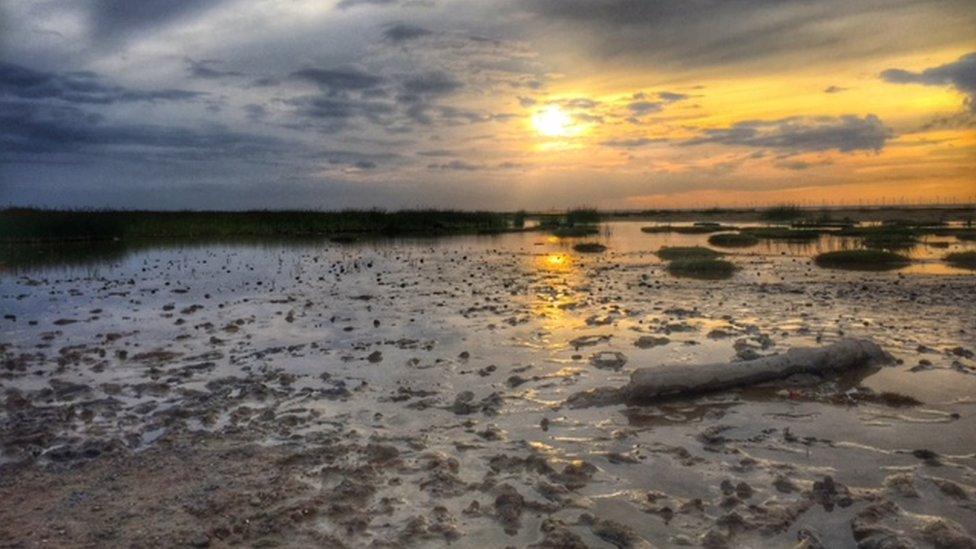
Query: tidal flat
{"x":412,"y":392}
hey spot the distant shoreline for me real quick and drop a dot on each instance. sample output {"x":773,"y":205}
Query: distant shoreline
{"x":35,"y":225}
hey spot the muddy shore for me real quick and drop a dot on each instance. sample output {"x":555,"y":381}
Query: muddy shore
{"x":413,"y":393}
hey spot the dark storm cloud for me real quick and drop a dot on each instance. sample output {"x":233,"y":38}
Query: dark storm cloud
{"x":847,"y":133}
{"x":339,"y":80}
{"x":76,"y":87}
{"x":41,"y":129}
{"x":402,"y":32}
{"x":960,"y":74}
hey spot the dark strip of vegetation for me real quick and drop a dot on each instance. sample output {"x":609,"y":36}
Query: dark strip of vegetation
{"x":784,"y":233}
{"x":678,"y":253}
{"x":782,"y":213}
{"x":570,"y":232}
{"x":590,"y":247}
{"x":34,"y":225}
{"x":733,"y":240}
{"x":965,"y":260}
{"x":576,"y":222}
{"x":861,"y":260}
{"x":705,"y":269}
{"x":697,"y":228}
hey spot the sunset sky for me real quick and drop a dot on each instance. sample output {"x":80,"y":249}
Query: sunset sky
{"x":488,"y":104}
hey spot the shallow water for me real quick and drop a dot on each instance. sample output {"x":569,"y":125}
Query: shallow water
{"x":288,"y":334}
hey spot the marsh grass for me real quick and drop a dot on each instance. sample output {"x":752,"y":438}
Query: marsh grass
{"x":965,"y":260}
{"x":861,"y":260}
{"x":681,"y":253}
{"x":574,"y":223}
{"x":786,"y":212}
{"x":702,"y":268}
{"x":34,"y":225}
{"x":733,"y":240}
{"x":590,"y":247}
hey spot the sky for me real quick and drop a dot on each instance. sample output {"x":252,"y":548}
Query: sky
{"x":485,"y":104}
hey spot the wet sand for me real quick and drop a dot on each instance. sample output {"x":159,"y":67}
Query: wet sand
{"x":411,"y":393}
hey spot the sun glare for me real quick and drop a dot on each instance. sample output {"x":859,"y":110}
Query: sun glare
{"x":552,"y":122}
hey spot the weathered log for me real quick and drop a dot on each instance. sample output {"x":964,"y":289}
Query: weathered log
{"x":682,"y":379}
{"x":676,"y":380}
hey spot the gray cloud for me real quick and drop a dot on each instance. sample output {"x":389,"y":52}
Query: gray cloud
{"x":403,"y":32}
{"x":76,"y":87}
{"x":760,"y":32}
{"x":205,"y":69}
{"x":346,"y":4}
{"x":847,"y":133}
{"x":960,"y":74}
{"x":433,"y":83}
{"x":631,"y":143}
{"x":40,"y":129}
{"x":339,"y":80}
{"x":110,"y":19}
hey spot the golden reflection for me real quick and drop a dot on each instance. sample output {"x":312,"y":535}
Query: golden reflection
{"x":556,"y":262}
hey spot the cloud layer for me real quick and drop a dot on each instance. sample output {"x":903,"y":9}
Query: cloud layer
{"x":423,"y":102}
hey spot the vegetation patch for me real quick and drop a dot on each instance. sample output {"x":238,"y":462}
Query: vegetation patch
{"x":697,"y":228}
{"x":590,"y":247}
{"x":705,"y":269}
{"x":784,"y":233}
{"x":576,"y":222}
{"x":35,"y":225}
{"x":579,"y":230}
{"x":782,"y":213}
{"x":733,"y":240}
{"x":965,"y":260}
{"x":861,"y":260}
{"x":680,"y":253}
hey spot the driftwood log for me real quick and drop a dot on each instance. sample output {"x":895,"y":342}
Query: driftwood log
{"x":677,"y":380}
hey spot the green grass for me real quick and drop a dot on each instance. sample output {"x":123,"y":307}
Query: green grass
{"x":590,"y":247}
{"x":705,"y":269}
{"x":861,"y":260}
{"x":680,"y":253}
{"x":733,"y":240}
{"x":33,"y":225}
{"x":965,"y":260}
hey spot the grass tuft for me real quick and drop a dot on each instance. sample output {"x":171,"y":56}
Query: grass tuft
{"x":590,"y":247}
{"x":965,"y":260}
{"x":784,"y":233}
{"x":861,"y":260}
{"x":733,"y":240}
{"x":678,"y":253}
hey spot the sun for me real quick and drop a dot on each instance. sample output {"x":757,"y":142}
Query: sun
{"x":552,"y":122}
